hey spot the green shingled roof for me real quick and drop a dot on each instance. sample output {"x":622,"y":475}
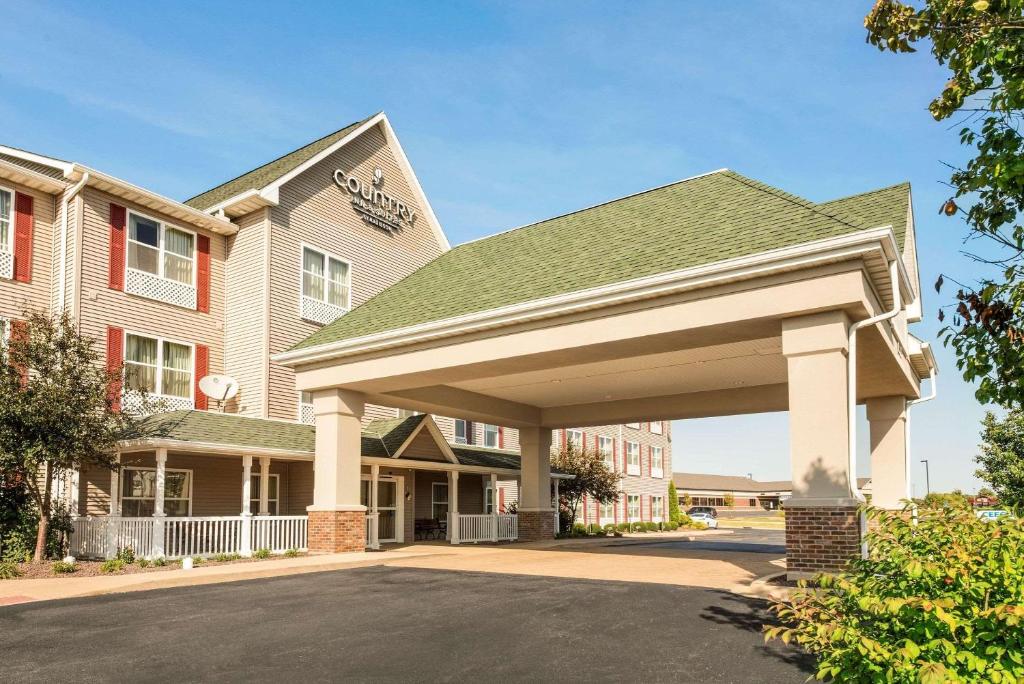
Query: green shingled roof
{"x":878,"y":208}
{"x":271,"y":171}
{"x":380,"y":438}
{"x":709,"y":218}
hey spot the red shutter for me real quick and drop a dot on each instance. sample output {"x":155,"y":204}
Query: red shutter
{"x":118,"y":218}
{"x":615,"y":511}
{"x":650,"y":508}
{"x":501,"y":500}
{"x":597,"y":511}
{"x":23,"y":226}
{"x":203,"y":274}
{"x":202,"y":370}
{"x":615,"y":456}
{"x":115,"y":360}
{"x":501,"y":437}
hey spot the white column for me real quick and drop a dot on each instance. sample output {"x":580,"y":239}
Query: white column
{"x":453,"y":505}
{"x":337,"y":464}
{"x":158,"y":503}
{"x":494,"y":507}
{"x":115,"y":487}
{"x":74,"y":483}
{"x":890,"y":484}
{"x":245,"y":541}
{"x":374,"y":540}
{"x":265,"y":485}
{"x":558,"y":518}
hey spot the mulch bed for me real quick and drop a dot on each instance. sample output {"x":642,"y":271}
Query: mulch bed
{"x":91,"y":568}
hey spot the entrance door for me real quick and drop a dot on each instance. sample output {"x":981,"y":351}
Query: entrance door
{"x":390,"y":527}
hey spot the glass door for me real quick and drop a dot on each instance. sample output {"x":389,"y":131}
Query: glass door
{"x":389,"y":507}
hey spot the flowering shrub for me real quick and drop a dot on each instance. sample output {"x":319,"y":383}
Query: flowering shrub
{"x":939,"y":601}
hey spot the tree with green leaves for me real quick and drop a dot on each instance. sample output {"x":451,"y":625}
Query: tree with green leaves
{"x":981,"y":42}
{"x":58,"y":411}
{"x":591,"y":476}
{"x":674,"y":514}
{"x":1001,"y":461}
{"x":729,"y":499}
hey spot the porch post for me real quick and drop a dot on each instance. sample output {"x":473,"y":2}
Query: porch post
{"x":823,"y":528}
{"x":113,"y":522}
{"x":337,"y":518}
{"x":158,"y":503}
{"x":494,"y":507}
{"x":453,"y":505}
{"x":73,"y":493}
{"x":245,"y":538}
{"x":374,"y":541}
{"x":558,"y":518}
{"x":890,"y":467}
{"x":265,"y":485}
{"x":535,"y":513}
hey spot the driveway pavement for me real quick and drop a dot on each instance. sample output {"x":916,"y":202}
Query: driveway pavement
{"x":388,"y":623}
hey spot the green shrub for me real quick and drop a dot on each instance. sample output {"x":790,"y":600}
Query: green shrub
{"x":685,"y":521}
{"x":639,"y":527}
{"x":579,"y":530}
{"x":160,"y":562}
{"x":609,"y":528}
{"x":595,"y":528}
{"x":126,"y":555}
{"x":196,"y":560}
{"x":112,"y":565}
{"x":671,"y":526}
{"x":63,"y":567}
{"x":698,"y":525}
{"x":651,"y":527}
{"x":9,"y":570}
{"x":291,"y":553}
{"x":225,"y":557}
{"x":935,"y":602}
{"x":261,"y":553}
{"x":622,"y":527}
{"x":144,"y":563}
{"x":600,"y":532}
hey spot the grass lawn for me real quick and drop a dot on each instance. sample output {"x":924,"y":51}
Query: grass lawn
{"x":770,"y":520}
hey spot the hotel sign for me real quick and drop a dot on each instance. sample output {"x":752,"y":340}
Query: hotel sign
{"x":374,"y":206}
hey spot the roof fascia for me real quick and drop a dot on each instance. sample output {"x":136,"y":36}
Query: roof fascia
{"x":62,"y":166}
{"x":25,"y":176}
{"x":213,"y":448}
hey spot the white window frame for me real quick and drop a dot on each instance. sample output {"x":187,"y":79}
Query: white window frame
{"x":632,"y":468}
{"x":254,"y":500}
{"x":434,"y":501}
{"x":607,"y":454}
{"x":488,"y":494}
{"x":660,"y":471}
{"x":657,"y":509}
{"x":161,"y":230}
{"x":465,"y":431}
{"x":607,"y":519}
{"x":574,"y":437}
{"x":191,"y":488}
{"x":10,"y":225}
{"x":303,"y":246}
{"x":660,"y":428}
{"x":635,"y":426}
{"x":630,"y":500}
{"x":494,"y":430}
{"x":160,"y":365}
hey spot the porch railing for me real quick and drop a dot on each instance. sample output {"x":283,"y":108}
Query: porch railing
{"x":103,"y":536}
{"x":487,"y":527}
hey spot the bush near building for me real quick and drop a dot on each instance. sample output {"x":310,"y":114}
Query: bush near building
{"x":939,"y":601}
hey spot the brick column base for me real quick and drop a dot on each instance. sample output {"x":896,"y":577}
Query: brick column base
{"x":820,"y":539}
{"x":337,"y":531}
{"x":536,"y":525}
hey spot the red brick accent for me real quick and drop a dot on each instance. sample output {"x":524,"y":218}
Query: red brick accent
{"x":337,"y":531}
{"x":536,"y":525}
{"x":821,"y":539}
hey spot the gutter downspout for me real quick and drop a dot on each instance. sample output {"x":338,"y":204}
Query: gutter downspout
{"x":851,"y":374}
{"x":906,"y":436}
{"x":70,"y":195}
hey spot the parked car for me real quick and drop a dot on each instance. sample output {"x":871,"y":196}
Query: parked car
{"x":709,"y":510}
{"x":705,"y":518}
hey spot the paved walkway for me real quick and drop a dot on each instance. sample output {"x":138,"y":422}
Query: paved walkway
{"x":641,"y":559}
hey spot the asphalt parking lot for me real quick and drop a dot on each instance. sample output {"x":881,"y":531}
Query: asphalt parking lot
{"x":399,"y":624}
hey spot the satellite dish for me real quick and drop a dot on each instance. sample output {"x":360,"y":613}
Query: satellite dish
{"x":218,"y":387}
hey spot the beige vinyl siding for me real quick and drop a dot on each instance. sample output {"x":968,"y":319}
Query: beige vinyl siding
{"x":315,"y":211}
{"x":245,"y":320}
{"x":102,"y":306}
{"x":471,"y":492}
{"x":15,"y":296}
{"x":300,"y":487}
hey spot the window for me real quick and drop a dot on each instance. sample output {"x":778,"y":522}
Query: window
{"x":632,"y":458}
{"x":6,"y":220}
{"x":463,"y":431}
{"x":439,"y":500}
{"x":656,"y":427}
{"x":158,"y":366}
{"x":272,"y":493}
{"x":488,"y":498}
{"x":604,"y":447}
{"x":325,"y":278}
{"x":491,"y":434}
{"x":657,"y":462}
{"x":657,"y":509}
{"x":607,"y":513}
{"x":138,"y":492}
{"x":635,"y":426}
{"x":158,"y":249}
{"x":633,"y":507}
{"x":575,"y":438}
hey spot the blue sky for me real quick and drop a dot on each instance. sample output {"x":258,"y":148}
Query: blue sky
{"x":512,"y":113}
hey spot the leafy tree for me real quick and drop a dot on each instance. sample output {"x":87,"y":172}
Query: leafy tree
{"x":1001,"y":459}
{"x":982,"y":44}
{"x":729,"y":499}
{"x":935,"y":602}
{"x":674,"y":514}
{"x":57,"y":411}
{"x":592,"y":477}
{"x":687,"y":500}
{"x":954,"y":499}
{"x":987,"y":493}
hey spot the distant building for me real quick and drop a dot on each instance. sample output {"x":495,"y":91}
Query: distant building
{"x":711,"y":490}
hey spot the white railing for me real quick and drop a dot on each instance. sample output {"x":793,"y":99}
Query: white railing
{"x":6,"y":263}
{"x":372,"y":536}
{"x":486,"y":527}
{"x":162,"y":289}
{"x":320,"y":312}
{"x":103,"y":536}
